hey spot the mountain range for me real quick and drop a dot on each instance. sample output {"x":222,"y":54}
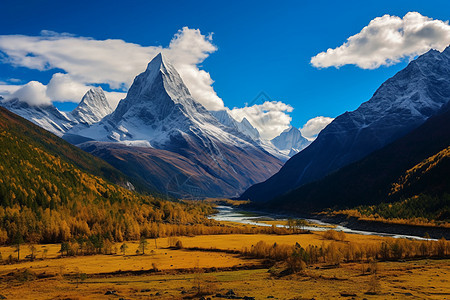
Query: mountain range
{"x":162,"y":136}
{"x":92,"y":108}
{"x":400,"y":105}
{"x":162,"y":139}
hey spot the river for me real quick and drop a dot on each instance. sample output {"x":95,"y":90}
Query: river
{"x":229,"y":213}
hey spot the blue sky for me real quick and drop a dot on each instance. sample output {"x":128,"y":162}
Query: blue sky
{"x":261,"y":45}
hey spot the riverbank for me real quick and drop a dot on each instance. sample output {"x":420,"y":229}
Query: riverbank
{"x":382,"y":227}
{"x":249,"y":215}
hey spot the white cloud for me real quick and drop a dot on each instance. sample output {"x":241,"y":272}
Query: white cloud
{"x":14,"y":80}
{"x":64,"y":89}
{"x":114,"y":62}
{"x":87,"y":62}
{"x":314,"y":126}
{"x":33,"y":93}
{"x":8,"y":89}
{"x":386,"y":41}
{"x":270,"y":118}
{"x":186,"y":51}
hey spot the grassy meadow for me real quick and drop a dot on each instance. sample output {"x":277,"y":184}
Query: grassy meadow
{"x":209,"y":265}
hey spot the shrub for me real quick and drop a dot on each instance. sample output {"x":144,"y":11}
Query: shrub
{"x":335,"y":235}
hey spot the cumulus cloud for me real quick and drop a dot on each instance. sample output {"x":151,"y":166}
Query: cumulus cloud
{"x":88,"y":62}
{"x":64,"y":89}
{"x":7,"y":89}
{"x":114,"y":62}
{"x":186,"y":51}
{"x":314,"y":126}
{"x":33,"y":93}
{"x":269,"y":118}
{"x":386,"y":41}
{"x":60,"y":88}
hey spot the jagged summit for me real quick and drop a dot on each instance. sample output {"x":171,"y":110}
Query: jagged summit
{"x":159,"y":72}
{"x":159,"y":112}
{"x":159,"y":109}
{"x":158,"y":61}
{"x":93,"y":107}
{"x":248,"y":128}
{"x":292,"y":140}
{"x":244,"y":127}
{"x":156,"y":94}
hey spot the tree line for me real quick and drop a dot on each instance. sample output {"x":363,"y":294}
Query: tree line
{"x":335,"y":253}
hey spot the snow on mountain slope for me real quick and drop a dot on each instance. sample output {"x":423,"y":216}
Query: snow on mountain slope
{"x":401,"y":104}
{"x":45,"y":116}
{"x":243,"y":127}
{"x":246,"y":128}
{"x":157,"y":108}
{"x":290,"y":141}
{"x":160,"y":110}
{"x":92,"y":108}
{"x":251,"y":134}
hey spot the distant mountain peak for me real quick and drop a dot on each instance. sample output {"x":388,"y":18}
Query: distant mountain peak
{"x":290,"y":129}
{"x":159,"y":86}
{"x":291,"y":139}
{"x":94,"y":96}
{"x":93,"y":107}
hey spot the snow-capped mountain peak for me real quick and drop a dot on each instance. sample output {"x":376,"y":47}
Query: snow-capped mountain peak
{"x":93,"y":107}
{"x":165,"y":131}
{"x":243,"y":127}
{"x":248,"y":129}
{"x":159,"y":72}
{"x":46,"y":116}
{"x":159,"y":109}
{"x":291,"y":140}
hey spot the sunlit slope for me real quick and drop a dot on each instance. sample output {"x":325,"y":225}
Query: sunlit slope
{"x":35,"y":136}
{"x":431,"y":176}
{"x":48,"y":194}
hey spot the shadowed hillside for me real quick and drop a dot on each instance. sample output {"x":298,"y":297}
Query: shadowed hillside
{"x":370,"y":180}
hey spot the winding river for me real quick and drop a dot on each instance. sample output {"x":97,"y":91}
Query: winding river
{"x":229,"y":213}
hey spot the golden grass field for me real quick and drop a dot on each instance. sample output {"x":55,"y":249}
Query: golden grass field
{"x":56,"y":278}
{"x":410,"y":280}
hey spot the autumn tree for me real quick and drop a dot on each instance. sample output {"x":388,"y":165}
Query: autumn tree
{"x":33,"y":239}
{"x":143,"y":245}
{"x":301,"y":224}
{"x":18,"y":240}
{"x":123,"y":248}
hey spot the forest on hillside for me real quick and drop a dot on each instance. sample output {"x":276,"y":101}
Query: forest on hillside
{"x":49,"y":196}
